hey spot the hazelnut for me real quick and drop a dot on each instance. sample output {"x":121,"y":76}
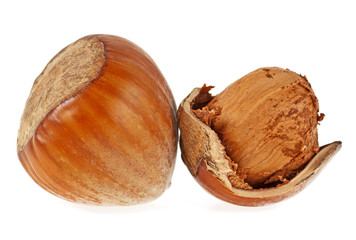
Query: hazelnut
{"x":256,"y":142}
{"x":99,"y":126}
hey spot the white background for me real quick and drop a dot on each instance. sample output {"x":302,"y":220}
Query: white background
{"x":192,"y":42}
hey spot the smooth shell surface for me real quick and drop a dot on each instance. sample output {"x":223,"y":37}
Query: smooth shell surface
{"x":112,"y":140}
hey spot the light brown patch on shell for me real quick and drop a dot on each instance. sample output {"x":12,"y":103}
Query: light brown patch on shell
{"x":70,"y":71}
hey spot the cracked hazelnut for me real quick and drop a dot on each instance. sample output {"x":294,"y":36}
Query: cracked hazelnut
{"x":256,"y":142}
{"x":99,"y":126}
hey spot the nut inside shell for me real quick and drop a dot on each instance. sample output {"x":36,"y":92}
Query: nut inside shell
{"x":206,"y":157}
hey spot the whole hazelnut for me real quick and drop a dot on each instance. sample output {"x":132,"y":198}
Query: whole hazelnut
{"x":256,"y":142}
{"x":99,"y":126}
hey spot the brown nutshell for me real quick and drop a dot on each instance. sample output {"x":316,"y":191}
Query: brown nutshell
{"x":99,"y":126}
{"x":254,"y":140}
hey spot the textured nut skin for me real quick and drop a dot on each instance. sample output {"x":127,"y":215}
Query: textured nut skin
{"x":111,"y":142}
{"x":267,"y":121}
{"x":205,"y":155}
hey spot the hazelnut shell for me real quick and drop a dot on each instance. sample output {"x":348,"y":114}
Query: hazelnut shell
{"x":204,"y":155}
{"x":99,"y":126}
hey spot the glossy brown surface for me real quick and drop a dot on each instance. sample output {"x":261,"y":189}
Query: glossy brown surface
{"x":115,"y":141}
